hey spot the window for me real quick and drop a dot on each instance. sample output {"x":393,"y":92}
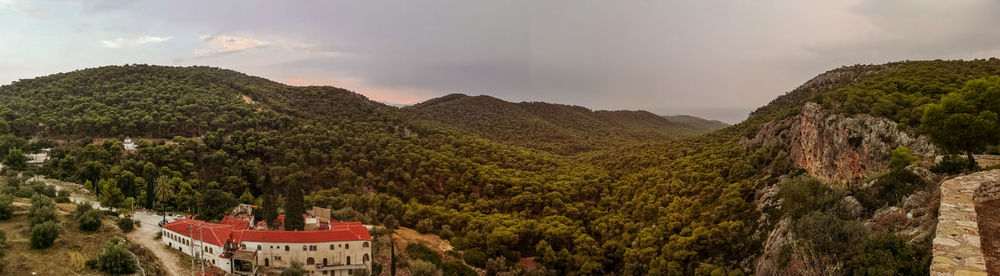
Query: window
{"x":325,"y":262}
{"x":347,"y":246}
{"x":310,"y":261}
{"x":258,"y":247}
{"x":348,"y":259}
{"x":331,"y":247}
{"x":364,"y":244}
{"x":365,"y":258}
{"x":304,"y":248}
{"x":267,"y":262}
{"x":286,"y":248}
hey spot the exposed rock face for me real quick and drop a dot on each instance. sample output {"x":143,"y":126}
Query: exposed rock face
{"x":838,"y":148}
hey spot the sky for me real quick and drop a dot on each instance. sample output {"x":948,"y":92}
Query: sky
{"x":713,"y":59}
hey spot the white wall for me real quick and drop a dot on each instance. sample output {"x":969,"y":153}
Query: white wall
{"x":177,"y":241}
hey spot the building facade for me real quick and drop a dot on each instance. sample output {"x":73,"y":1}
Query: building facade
{"x":338,"y":251}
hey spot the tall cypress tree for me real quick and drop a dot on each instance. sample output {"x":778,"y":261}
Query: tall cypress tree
{"x":295,"y":201}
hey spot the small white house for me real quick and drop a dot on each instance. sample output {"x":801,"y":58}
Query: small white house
{"x":129,"y":145}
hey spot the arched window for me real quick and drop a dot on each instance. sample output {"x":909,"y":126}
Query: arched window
{"x":267,"y":262}
{"x":365,"y":258}
{"x":324,"y":262}
{"x":348,"y":259}
{"x":258,"y":247}
{"x":331,"y":247}
{"x":310,"y":261}
{"x":347,"y":246}
{"x":286,"y":248}
{"x":364,"y":244}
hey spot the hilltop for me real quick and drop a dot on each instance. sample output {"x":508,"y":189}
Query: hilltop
{"x":563,"y":129}
{"x":505,"y":181}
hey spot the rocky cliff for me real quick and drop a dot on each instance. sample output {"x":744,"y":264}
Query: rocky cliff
{"x":838,"y":148}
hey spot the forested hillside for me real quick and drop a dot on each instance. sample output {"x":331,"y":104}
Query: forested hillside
{"x":562,"y":129}
{"x":499,"y":179}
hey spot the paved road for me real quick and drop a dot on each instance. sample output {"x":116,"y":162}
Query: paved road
{"x":143,"y":235}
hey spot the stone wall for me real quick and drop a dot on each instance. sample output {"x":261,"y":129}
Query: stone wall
{"x":957,"y":249}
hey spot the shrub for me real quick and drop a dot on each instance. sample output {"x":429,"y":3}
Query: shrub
{"x":454,"y":268}
{"x":421,"y":252}
{"x":295,"y":269}
{"x":950,"y":164}
{"x":826,"y":233}
{"x":42,"y":209}
{"x":6,"y":207}
{"x":115,"y":259}
{"x":901,"y":157}
{"x":889,"y":189}
{"x":92,"y":263}
{"x":803,"y":194}
{"x":422,"y":268}
{"x":888,"y":254}
{"x":126,"y":224}
{"x":475,"y":257}
{"x":90,"y":220}
{"x":44,"y":234}
{"x":425,"y":226}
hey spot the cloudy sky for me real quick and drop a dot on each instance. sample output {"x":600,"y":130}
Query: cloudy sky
{"x":715,"y":59}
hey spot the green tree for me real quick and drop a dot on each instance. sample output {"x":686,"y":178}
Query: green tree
{"x":294,"y":201}
{"x":111,"y":195}
{"x":164,"y":192}
{"x":901,"y":157}
{"x":296,"y":269}
{"x":44,"y":234}
{"x":215,"y":204}
{"x":89,"y":220}
{"x":963,"y":121}
{"x":4,"y":127}
{"x":115,"y":258}
{"x":6,"y":207}
{"x":16,"y":159}
{"x":42,"y":209}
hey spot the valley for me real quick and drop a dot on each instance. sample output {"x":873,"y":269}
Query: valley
{"x":823,"y":180}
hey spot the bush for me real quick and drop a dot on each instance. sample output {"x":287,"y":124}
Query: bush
{"x":295,"y":269}
{"x":889,"y":189}
{"x":6,"y":207}
{"x":44,"y":234}
{"x":888,"y":254}
{"x":803,"y":194}
{"x":42,"y":209}
{"x":422,"y":268}
{"x":90,"y":220}
{"x":126,"y":224}
{"x":425,"y":226}
{"x":115,"y":259}
{"x":475,"y":257}
{"x":901,"y":157}
{"x":92,"y":263}
{"x":421,"y":252}
{"x":826,"y":233}
{"x":950,"y":164}
{"x":454,"y":268}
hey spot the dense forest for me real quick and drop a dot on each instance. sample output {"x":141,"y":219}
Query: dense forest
{"x":503,"y":181}
{"x":562,"y":129}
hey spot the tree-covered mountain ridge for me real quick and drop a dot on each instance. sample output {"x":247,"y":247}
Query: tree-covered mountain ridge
{"x":703,"y":205}
{"x":548,"y":126}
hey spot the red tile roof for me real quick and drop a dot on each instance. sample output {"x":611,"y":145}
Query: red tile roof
{"x":339,"y":232}
{"x":218,"y":234}
{"x":212,"y":233}
{"x":238,"y":224}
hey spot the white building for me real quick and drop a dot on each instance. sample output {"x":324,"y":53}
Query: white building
{"x":337,"y":251}
{"x":129,"y":145}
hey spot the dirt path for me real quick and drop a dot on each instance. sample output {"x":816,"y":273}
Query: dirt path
{"x":144,"y":236}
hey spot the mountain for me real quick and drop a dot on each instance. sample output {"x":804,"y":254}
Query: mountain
{"x":803,"y":186}
{"x":563,"y":129}
{"x":696,"y":122}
